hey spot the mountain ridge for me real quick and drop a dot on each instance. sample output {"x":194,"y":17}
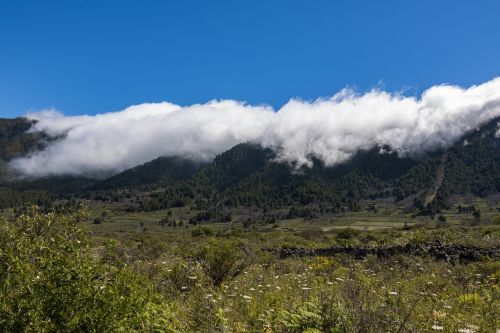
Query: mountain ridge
{"x":250,"y":175}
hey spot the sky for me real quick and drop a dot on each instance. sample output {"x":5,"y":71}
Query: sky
{"x":90,"y":57}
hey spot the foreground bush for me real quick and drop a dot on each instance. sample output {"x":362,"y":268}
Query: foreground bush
{"x":49,"y":281}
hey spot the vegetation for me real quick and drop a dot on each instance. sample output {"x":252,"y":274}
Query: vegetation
{"x":244,"y":243}
{"x":55,"y":276}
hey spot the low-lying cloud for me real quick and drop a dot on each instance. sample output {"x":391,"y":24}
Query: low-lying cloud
{"x":332,"y":129}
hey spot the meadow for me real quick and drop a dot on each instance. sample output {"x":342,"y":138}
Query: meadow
{"x":102,"y":269}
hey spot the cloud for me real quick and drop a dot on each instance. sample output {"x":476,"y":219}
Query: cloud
{"x":332,"y":129}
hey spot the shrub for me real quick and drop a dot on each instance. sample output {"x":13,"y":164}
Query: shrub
{"x":202,"y":231}
{"x":348,"y":233}
{"x":221,"y":260}
{"x":50,"y":282}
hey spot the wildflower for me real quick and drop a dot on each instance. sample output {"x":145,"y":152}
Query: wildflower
{"x":473,"y":327}
{"x":247,"y":297}
{"x":393,"y":293}
{"x":184,"y":287}
{"x":306,"y":288}
{"x":466,"y":330}
{"x":437,"y":328}
{"x":328,"y":282}
{"x":192,"y":277}
{"x":252,"y":289}
{"x":439,"y":314}
{"x":339,"y":279}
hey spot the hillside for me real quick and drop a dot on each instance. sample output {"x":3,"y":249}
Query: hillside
{"x":15,"y":140}
{"x":158,"y":172}
{"x":248,"y":175}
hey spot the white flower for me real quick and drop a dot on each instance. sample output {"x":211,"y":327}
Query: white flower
{"x":393,"y":293}
{"x":437,"y":328}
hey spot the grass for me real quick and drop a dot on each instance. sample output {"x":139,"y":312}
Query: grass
{"x":223,"y":278}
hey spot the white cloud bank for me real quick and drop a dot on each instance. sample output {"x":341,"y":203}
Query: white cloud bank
{"x":331,"y":129}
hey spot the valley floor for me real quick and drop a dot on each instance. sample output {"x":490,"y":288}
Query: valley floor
{"x":130,"y":272}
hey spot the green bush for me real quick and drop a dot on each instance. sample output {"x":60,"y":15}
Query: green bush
{"x":348,"y":233}
{"x":221,"y":259}
{"x":50,"y":282}
{"x":202,"y":231}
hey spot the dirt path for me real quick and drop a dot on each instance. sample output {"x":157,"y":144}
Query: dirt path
{"x":438,"y":180}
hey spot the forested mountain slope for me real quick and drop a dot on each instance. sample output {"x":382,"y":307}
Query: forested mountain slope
{"x":249,"y":175}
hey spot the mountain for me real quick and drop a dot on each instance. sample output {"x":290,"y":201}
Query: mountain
{"x":158,"y":172}
{"x":249,"y":175}
{"x":15,"y":140}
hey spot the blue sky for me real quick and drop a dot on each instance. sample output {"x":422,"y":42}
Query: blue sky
{"x":87,"y":57}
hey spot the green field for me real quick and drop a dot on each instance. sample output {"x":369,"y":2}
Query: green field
{"x":127,"y":272}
